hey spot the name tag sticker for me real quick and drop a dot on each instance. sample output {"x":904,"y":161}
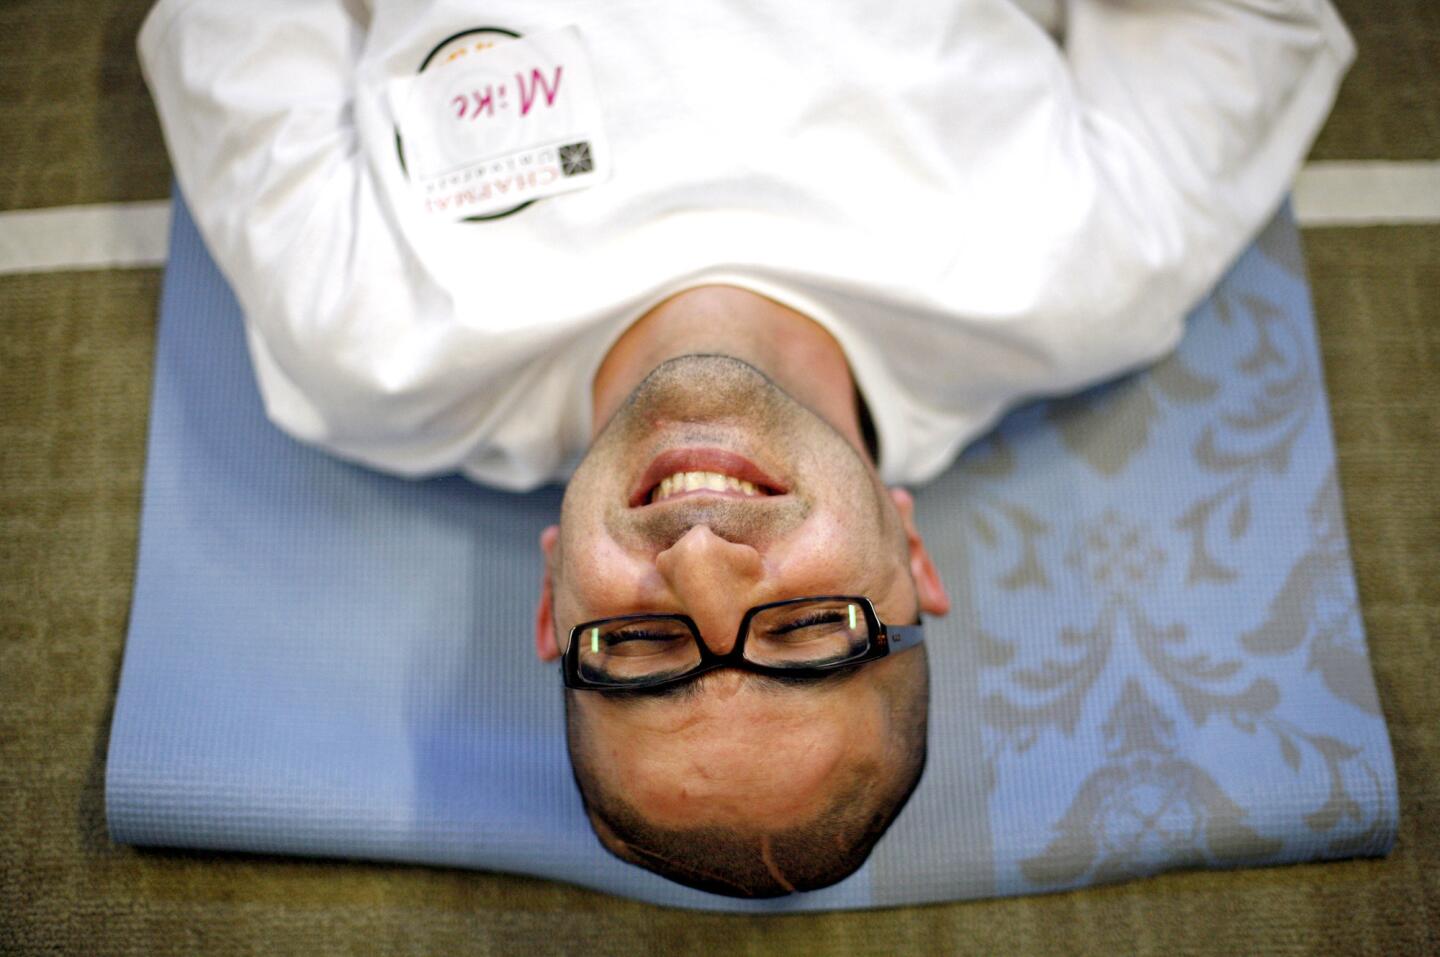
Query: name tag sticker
{"x":493,"y":122}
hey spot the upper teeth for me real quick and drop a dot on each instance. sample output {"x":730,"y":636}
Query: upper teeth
{"x":692,"y":481}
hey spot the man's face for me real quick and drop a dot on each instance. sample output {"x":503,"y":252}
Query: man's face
{"x":730,"y":746}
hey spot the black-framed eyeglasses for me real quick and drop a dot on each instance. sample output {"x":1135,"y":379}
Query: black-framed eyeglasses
{"x":796,"y":638}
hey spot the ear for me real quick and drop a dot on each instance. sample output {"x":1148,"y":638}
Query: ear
{"x":545,"y":646}
{"x":933,"y":600}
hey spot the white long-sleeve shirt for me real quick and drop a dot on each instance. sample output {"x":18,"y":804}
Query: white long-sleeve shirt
{"x":977,"y":214}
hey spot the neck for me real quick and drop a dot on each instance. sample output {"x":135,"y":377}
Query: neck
{"x":794,"y":351}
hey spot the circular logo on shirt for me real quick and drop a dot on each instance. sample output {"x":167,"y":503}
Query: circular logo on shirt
{"x":457,"y":48}
{"x":492,"y":121}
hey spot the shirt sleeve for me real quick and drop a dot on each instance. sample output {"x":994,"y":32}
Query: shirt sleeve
{"x":348,"y":332}
{"x":1144,"y":151}
{"x":1196,"y":116}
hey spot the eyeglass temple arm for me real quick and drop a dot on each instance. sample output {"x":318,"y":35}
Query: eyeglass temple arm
{"x":901,"y":637}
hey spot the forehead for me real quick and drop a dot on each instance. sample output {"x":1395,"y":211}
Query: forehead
{"x":735,"y":744}
{"x":728,"y":704}
{"x":725,"y":684}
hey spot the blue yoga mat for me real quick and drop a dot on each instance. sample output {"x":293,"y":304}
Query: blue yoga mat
{"x":1156,"y":659}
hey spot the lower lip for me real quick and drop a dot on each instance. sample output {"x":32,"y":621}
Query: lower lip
{"x":724,"y":462}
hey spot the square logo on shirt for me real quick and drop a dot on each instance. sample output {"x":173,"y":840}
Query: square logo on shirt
{"x":575,"y":159}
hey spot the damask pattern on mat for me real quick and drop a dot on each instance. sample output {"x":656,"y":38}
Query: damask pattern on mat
{"x":1171,"y":661}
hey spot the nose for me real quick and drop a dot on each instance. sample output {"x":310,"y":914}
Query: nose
{"x":714,"y":580}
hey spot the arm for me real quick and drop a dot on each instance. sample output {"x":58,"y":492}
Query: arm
{"x":1195,"y":116}
{"x":1118,"y":176}
{"x":1211,"y":103}
{"x":257,"y":101}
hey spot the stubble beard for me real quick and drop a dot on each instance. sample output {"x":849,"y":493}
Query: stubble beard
{"x":724,"y":402}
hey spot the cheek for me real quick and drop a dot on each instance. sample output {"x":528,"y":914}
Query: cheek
{"x":599,"y":578}
{"x":833,"y":555}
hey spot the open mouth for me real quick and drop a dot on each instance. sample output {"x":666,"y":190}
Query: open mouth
{"x":682,"y":482}
{"x":686,"y":472}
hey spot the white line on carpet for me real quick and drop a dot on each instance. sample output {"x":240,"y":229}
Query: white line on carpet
{"x":134,"y":235}
{"x":1368,"y":194}
{"x":104,"y":236}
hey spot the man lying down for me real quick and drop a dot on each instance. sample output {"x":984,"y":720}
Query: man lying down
{"x":738,"y":272}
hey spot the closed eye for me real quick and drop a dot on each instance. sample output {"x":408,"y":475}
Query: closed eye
{"x":621,"y":637}
{"x":809,"y":621}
